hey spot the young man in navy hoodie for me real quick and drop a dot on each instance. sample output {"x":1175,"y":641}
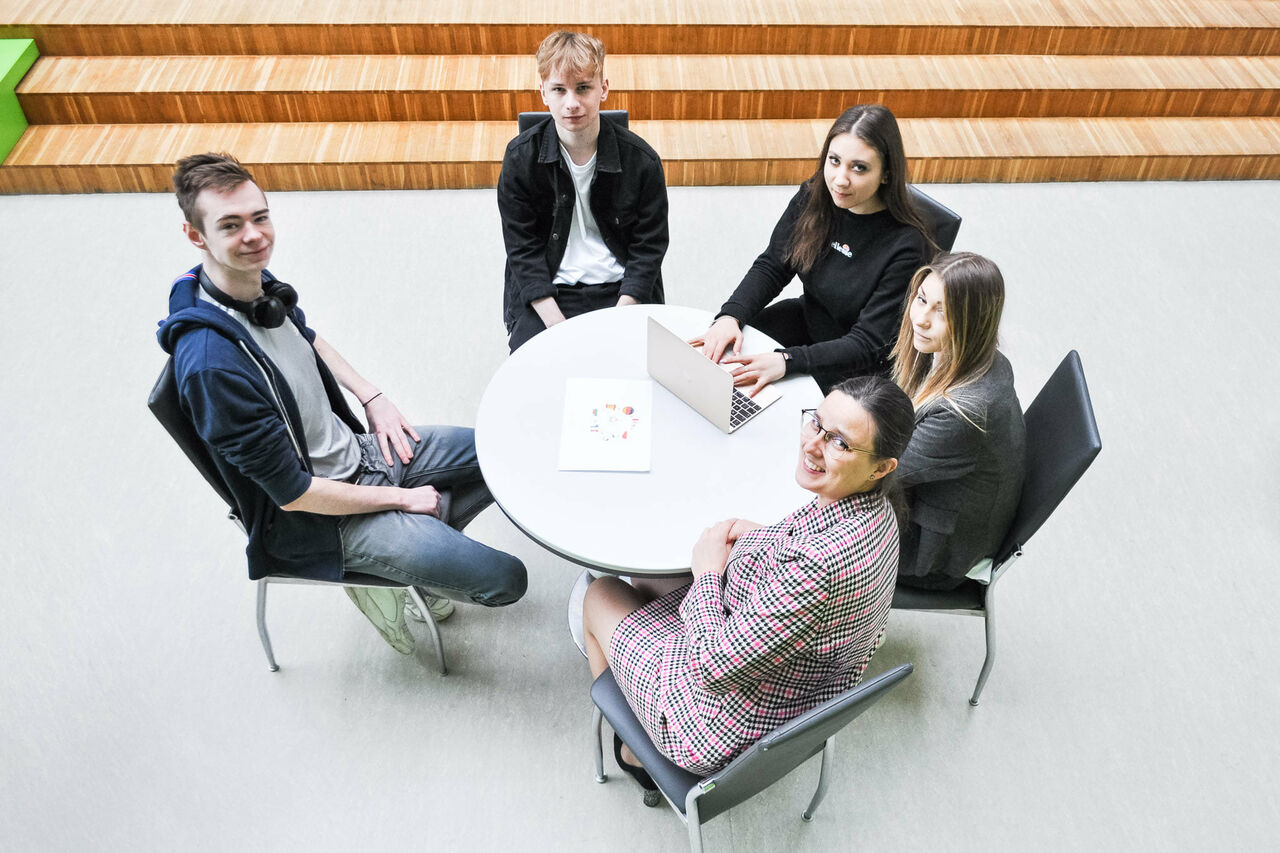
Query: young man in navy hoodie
{"x":319,"y":494}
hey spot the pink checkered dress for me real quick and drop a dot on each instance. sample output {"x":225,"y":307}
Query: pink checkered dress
{"x":712,"y":667}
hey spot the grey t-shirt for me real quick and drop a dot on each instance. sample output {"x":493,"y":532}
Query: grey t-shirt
{"x":334,"y":451}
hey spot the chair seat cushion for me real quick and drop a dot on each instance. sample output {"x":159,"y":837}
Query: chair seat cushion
{"x":353,"y":578}
{"x":970,"y":595}
{"x":674,"y":781}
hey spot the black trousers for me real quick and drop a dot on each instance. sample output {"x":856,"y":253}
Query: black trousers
{"x":573,"y":301}
{"x":785,"y":322}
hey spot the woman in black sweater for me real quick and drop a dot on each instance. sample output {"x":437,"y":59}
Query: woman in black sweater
{"x":854,"y":237}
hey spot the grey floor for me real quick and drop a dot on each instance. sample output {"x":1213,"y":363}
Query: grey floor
{"x":1130,"y":708}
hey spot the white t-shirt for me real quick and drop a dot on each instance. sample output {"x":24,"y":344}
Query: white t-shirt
{"x":587,"y":260}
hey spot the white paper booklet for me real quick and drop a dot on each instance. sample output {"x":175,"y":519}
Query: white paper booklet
{"x":607,"y":425}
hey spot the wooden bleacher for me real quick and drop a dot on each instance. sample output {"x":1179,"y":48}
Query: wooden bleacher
{"x":336,"y":95}
{"x":836,"y":27}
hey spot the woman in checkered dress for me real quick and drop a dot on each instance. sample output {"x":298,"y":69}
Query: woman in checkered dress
{"x":777,"y":619}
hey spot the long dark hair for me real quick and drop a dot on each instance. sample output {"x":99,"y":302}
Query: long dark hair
{"x":875,"y":125}
{"x":894,"y":417}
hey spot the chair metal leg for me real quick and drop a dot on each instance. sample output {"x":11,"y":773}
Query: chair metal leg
{"x":574,"y":610}
{"x":597,"y":719}
{"x":418,"y":599}
{"x":262,"y":625}
{"x":989,"y":620}
{"x":694,"y":820}
{"x":828,"y":753}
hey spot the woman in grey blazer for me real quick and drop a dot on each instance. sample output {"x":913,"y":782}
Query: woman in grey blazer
{"x":962,"y":471}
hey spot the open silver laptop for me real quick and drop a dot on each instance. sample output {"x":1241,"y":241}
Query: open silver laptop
{"x":705,"y":386}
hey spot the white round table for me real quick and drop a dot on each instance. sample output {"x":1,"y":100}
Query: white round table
{"x":637,"y":523}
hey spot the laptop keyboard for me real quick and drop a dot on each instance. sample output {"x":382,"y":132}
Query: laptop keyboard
{"x":742,"y":409}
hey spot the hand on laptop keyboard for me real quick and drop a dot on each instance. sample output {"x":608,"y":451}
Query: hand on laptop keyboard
{"x":757,"y":370}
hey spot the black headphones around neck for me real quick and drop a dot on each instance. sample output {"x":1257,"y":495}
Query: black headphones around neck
{"x":268,"y":310}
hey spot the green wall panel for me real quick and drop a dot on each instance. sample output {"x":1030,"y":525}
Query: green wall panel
{"x":16,"y":58}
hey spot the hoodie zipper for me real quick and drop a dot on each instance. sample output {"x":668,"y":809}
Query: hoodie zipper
{"x":275,"y":394}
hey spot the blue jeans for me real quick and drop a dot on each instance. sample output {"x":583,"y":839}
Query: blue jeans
{"x":421,"y":550}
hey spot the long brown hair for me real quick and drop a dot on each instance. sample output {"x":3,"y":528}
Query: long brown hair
{"x":973,"y":299}
{"x":875,"y":125}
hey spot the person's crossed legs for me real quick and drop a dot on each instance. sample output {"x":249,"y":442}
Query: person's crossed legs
{"x":422,"y":550}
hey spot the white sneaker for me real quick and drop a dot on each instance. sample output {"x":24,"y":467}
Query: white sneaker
{"x":441,"y":608}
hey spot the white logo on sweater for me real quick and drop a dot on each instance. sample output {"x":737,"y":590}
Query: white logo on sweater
{"x":842,"y":248}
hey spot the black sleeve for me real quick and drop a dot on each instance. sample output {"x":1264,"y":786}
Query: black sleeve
{"x":649,"y":237}
{"x":526,"y":250}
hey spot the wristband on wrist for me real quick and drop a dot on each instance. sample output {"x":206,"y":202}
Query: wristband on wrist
{"x":370,"y":400}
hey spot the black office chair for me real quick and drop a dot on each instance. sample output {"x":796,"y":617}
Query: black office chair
{"x":524,"y":121}
{"x":165,"y":404}
{"x":1062,"y":442}
{"x":698,"y":799}
{"x":945,"y":221}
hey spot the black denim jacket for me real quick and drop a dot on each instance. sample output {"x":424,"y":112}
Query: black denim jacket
{"x":536,"y":197}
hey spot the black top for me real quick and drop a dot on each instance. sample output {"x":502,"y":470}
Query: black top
{"x":853,"y":296}
{"x":536,"y":197}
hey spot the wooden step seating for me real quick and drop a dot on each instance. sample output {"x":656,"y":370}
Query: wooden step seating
{"x":783,"y":27}
{"x":122,"y":90}
{"x":450,"y":155}
{"x":728,"y":93}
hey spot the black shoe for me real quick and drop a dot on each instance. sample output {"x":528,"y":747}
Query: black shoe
{"x":651,"y":794}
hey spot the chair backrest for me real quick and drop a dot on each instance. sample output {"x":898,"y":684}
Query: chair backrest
{"x":1062,"y":441}
{"x":165,"y":404}
{"x":524,"y":121}
{"x":945,"y":221}
{"x":790,"y":745}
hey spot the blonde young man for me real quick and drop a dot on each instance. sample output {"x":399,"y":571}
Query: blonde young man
{"x":583,"y":201}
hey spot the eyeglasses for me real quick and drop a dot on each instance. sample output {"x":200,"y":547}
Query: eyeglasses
{"x":833,"y":441}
